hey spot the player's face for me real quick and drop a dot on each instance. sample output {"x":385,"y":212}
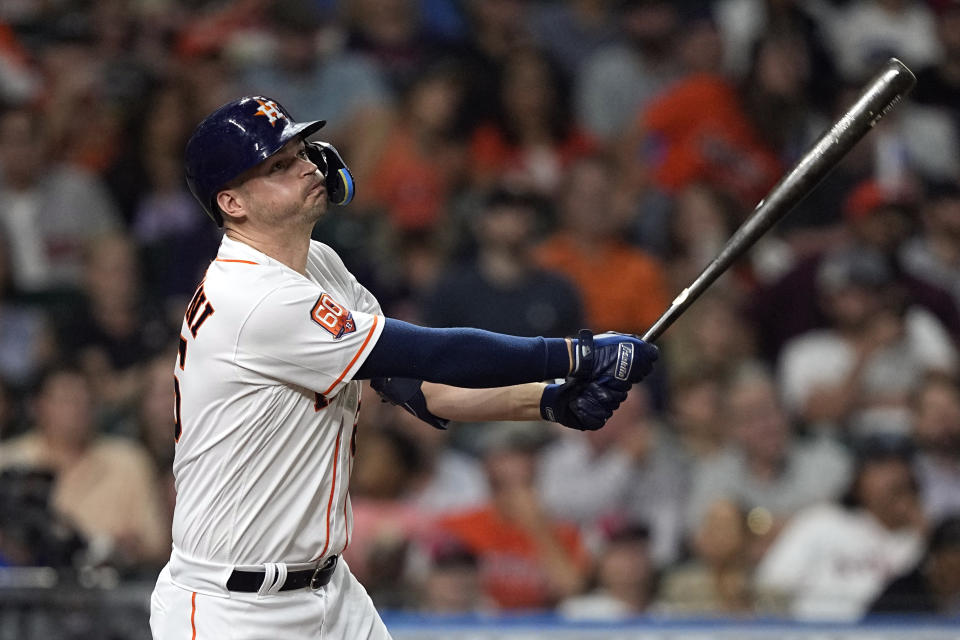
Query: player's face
{"x":286,"y":186}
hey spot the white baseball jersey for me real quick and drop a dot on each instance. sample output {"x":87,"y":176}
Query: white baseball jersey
{"x":266,"y":410}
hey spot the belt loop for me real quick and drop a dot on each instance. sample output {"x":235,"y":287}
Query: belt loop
{"x":269,"y":578}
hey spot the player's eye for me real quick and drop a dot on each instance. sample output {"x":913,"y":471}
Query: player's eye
{"x":279,"y":165}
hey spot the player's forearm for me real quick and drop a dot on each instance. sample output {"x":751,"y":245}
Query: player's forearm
{"x":462,"y":357}
{"x":517,"y":402}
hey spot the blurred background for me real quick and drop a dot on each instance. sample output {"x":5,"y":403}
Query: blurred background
{"x":529,"y":168}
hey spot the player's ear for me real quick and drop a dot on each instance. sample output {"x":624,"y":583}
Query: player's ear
{"x":231,"y":203}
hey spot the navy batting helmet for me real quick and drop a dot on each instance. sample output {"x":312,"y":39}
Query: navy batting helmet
{"x":236,"y":137}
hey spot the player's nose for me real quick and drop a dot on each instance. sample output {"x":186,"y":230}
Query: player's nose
{"x":307,"y":167}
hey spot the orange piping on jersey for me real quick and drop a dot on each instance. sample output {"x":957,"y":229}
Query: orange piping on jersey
{"x":193,"y":612}
{"x":346,"y":528}
{"x":356,"y":355}
{"x":240,"y":261}
{"x":353,"y":440}
{"x":333,"y":487}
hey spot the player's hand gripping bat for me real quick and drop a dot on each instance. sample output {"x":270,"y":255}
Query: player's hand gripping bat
{"x":881,"y":94}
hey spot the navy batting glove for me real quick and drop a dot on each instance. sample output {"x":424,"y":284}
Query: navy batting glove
{"x":583,"y":405}
{"x":619,"y":356}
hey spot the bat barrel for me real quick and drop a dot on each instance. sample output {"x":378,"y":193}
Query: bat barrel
{"x":881,"y":94}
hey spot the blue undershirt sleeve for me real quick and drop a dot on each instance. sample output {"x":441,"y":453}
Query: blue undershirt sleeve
{"x":470,"y":358}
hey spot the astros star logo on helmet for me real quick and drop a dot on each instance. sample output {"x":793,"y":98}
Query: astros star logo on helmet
{"x":269,"y":109}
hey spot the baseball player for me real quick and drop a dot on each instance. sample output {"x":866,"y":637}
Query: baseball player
{"x":272,"y":349}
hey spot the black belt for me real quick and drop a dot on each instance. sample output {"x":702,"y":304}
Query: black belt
{"x":251,"y":581}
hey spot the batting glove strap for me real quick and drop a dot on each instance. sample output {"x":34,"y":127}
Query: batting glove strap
{"x":619,"y":356}
{"x":406,"y":393}
{"x":581,"y":405}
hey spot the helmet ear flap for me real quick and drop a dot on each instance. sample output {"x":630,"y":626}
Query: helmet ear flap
{"x":339,"y":181}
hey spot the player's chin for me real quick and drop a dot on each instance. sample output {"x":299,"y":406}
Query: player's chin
{"x":316,"y":209}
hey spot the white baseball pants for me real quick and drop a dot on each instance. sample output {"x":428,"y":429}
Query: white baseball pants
{"x":341,"y":610}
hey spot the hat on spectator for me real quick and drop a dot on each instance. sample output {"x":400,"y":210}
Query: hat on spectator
{"x":869,"y":196}
{"x":946,"y":535}
{"x":943,"y":190}
{"x":882,"y":446}
{"x":874,"y":448}
{"x":446,"y":552}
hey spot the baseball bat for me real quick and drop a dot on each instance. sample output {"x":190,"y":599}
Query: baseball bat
{"x":879,"y":96}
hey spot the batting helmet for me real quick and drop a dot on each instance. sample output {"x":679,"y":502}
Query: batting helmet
{"x":238,"y":136}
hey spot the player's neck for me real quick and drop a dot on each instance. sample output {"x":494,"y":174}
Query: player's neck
{"x":291,"y":251}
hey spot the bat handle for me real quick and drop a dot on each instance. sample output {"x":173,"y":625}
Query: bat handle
{"x":651,"y":334}
{"x":678,"y":306}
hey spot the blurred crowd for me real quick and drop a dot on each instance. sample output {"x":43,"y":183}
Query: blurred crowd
{"x":530,"y":168}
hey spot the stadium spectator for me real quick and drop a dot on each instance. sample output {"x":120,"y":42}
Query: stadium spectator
{"x":452,"y":582}
{"x":390,"y":34}
{"x":79,"y":68}
{"x":104,"y":484}
{"x":910,"y":144}
{"x":694,"y":411}
{"x":933,"y":256}
{"x":859,"y":372}
{"x":572,"y":31}
{"x":765,"y":466}
{"x":864,"y":33}
{"x":622,"y":288}
{"x":48,"y":210}
{"x":624,"y":579}
{"x":18,"y":80}
{"x":449,"y":479}
{"x":528,"y":560}
{"x":423,"y":160}
{"x":699,"y":222}
{"x":716,"y":580}
{"x":697,"y":130}
{"x":938,"y":85}
{"x":616,"y":81}
{"x":27,"y":342}
{"x":385,"y":515}
{"x":933,"y":586}
{"x":176,"y":241}
{"x":503,"y":289}
{"x":117,"y":329}
{"x":496,"y":29}
{"x":534,"y":139}
{"x":831,"y":561}
{"x":936,"y":433}
{"x":876,"y":219}
{"x":776,"y":94}
{"x":880,"y":218}
{"x":153,"y":427}
{"x":631,"y":470}
{"x":716,"y":339}
{"x":744,"y":23}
